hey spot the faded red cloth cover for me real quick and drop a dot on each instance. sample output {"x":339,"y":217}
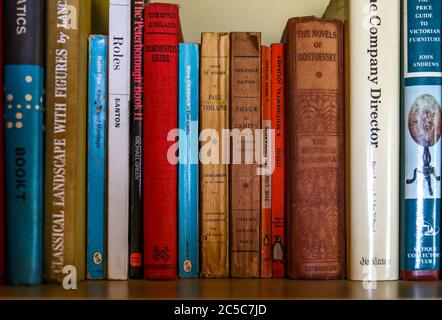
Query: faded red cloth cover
{"x":162,"y":35}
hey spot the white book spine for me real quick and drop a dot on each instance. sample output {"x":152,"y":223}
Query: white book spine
{"x":374,"y":106}
{"x":118,"y":147}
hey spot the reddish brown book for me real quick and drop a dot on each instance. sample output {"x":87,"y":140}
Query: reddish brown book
{"x":278,"y":209}
{"x":162,"y":35}
{"x":266,"y":182}
{"x":315,"y":149}
{"x":245,"y":191}
{"x":2,"y":230}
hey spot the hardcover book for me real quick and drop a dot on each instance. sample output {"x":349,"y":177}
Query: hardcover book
{"x":278,"y":161}
{"x":161,"y":37}
{"x":136,"y":141}
{"x":245,"y":183}
{"x":24,"y":89}
{"x":96,"y":157}
{"x":421,"y":133}
{"x":315,"y":149}
{"x":2,"y":216}
{"x":118,"y":143}
{"x":373,"y":137}
{"x":188,"y":205}
{"x":68,"y":26}
{"x":214,"y":175}
{"x":266,"y":180}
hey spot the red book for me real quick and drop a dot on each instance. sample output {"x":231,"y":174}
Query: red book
{"x":2,"y":216}
{"x":162,"y":35}
{"x":278,"y":209}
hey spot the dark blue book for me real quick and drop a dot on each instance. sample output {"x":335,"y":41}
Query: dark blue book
{"x":24,"y":27}
{"x":96,"y":158}
{"x":188,"y":181}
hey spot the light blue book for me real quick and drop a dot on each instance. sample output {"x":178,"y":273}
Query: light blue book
{"x":421,"y":140}
{"x":188,"y":180}
{"x":96,"y":161}
{"x":24,"y":155}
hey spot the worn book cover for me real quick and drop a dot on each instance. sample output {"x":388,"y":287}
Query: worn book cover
{"x":315,"y":149}
{"x":214,"y":175}
{"x":162,"y":34}
{"x":245,"y":181}
{"x":68,"y":27}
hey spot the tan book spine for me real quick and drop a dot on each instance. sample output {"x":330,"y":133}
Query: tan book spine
{"x":65,"y":185}
{"x":245,"y":190}
{"x":214,"y":175}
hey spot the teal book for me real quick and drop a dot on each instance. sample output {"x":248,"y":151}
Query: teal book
{"x":188,"y":180}
{"x":23,"y":131}
{"x":421,"y":140}
{"x":96,"y":158}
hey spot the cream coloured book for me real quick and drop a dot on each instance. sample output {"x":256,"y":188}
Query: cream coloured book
{"x":118,"y":147}
{"x":373,"y":114}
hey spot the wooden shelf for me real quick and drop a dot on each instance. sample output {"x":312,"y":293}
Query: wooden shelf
{"x":228,"y":289}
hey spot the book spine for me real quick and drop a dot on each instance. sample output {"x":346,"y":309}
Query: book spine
{"x":118,"y":146}
{"x":161,"y":38}
{"x":2,"y":212}
{"x":23,"y":89}
{"x":188,"y":242}
{"x":214,"y":175}
{"x":374,"y":145}
{"x":266,"y":180}
{"x":96,"y":157}
{"x":315,"y":149}
{"x":136,"y":142}
{"x":421,"y":146}
{"x":245,"y":191}
{"x":68,"y":26}
{"x":278,"y":160}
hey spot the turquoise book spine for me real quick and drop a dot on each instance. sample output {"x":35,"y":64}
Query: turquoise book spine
{"x":188,"y":180}
{"x":421,"y":143}
{"x":96,"y":159}
{"x":23,"y":132}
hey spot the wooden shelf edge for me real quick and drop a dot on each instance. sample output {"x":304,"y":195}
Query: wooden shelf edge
{"x":228,"y":289}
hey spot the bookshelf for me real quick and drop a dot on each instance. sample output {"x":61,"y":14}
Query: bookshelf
{"x":269,"y":17}
{"x":200,"y":289}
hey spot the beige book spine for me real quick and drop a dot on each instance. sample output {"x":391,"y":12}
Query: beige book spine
{"x":214,"y":115}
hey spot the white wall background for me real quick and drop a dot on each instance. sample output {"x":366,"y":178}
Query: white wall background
{"x":266,"y":16}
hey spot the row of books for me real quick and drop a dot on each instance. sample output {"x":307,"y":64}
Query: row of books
{"x":161,"y":158}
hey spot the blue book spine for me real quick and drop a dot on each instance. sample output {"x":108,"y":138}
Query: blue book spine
{"x":421,"y":139}
{"x":96,"y":161}
{"x":188,"y":246}
{"x":23,"y":116}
